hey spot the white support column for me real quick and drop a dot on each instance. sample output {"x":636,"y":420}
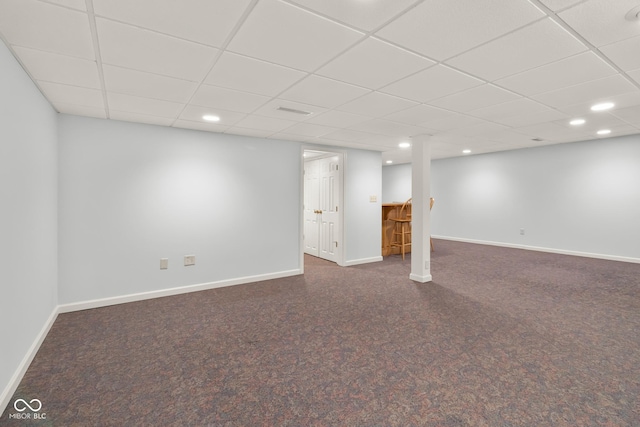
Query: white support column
{"x":420,"y":213}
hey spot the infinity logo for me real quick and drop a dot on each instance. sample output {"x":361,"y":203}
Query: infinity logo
{"x":26,"y":405}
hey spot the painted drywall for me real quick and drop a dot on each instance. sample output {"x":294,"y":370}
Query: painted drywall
{"x":28,"y":218}
{"x":581,"y":198}
{"x":363,"y":218}
{"x":396,"y":183}
{"x":131,"y":194}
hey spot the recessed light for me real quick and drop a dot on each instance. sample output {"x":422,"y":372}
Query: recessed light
{"x":604,"y":132}
{"x":404,"y":145}
{"x":211,"y":118}
{"x":467,"y":151}
{"x":603,"y":106}
{"x":577,"y":122}
{"x":389,"y":162}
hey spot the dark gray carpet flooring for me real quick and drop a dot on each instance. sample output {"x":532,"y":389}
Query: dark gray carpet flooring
{"x":501,"y":337}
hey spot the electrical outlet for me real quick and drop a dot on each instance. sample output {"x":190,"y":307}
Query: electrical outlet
{"x":373,"y":199}
{"x":522,"y":231}
{"x":189,"y":260}
{"x":164,"y":263}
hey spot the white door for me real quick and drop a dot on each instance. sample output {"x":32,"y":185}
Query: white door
{"x":321,"y":208}
{"x":329,"y":222}
{"x":311,"y":208}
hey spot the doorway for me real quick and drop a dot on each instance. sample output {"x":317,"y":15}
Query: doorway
{"x":322,"y":213}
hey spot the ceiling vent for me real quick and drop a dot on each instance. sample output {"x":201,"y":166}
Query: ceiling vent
{"x":294,"y":111}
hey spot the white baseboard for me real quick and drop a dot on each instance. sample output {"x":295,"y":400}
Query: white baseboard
{"x":421,"y":279}
{"x":362,"y":261}
{"x":10,"y":389}
{"x":541,"y":249}
{"x":104,"y":302}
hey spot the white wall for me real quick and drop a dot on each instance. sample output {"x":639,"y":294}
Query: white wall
{"x":581,"y":198}
{"x":396,"y":183}
{"x":363,"y":218}
{"x":28,"y":215}
{"x":131,"y":194}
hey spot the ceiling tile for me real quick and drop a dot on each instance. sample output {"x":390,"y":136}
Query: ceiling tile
{"x":81,"y":110}
{"x":441,"y":29}
{"x":147,"y":85}
{"x":419,"y":114}
{"x":635,"y":75}
{"x":508,"y":136}
{"x":47,"y":27}
{"x":349,"y":135}
{"x":625,"y":54}
{"x":602,"y":22}
{"x":263,"y":123}
{"x":228,"y":99}
{"x":194,"y":113}
{"x":547,"y":131}
{"x":59,"y":68}
{"x":389,"y":128}
{"x":432,"y":83}
{"x":365,"y":15}
{"x":373,"y":64}
{"x":297,"y":39}
{"x":324,"y":141}
{"x":629,"y":115}
{"x":586,"y":92}
{"x":557,"y":5}
{"x":451,"y":122}
{"x":271,"y":109}
{"x":337,"y":119}
{"x":623,"y":100}
{"x":324,"y":92}
{"x":478,"y":129}
{"x":309,"y":130}
{"x":529,"y":47}
{"x":139,"y":118}
{"x":147,"y":106}
{"x":252,"y":75}
{"x":60,"y":93}
{"x":200,"y":125}
{"x":521,"y":120}
{"x":376,"y":104}
{"x":284,"y":136}
{"x":556,"y":75}
{"x":474,"y":98}
{"x":204,"y":21}
{"x":73,"y":4}
{"x":131,"y":47}
{"x":249,"y":132}
{"x":521,"y":106}
{"x":594,"y":122}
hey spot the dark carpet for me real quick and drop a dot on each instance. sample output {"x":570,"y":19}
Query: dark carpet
{"x":501,"y":337}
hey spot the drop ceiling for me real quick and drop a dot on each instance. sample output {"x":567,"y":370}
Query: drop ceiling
{"x":483,"y":75}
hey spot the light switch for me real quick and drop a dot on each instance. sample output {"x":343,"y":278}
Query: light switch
{"x":373,"y":199}
{"x":189,"y":260}
{"x":164,"y":263}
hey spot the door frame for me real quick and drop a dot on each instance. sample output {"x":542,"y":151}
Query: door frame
{"x":342,"y":155}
